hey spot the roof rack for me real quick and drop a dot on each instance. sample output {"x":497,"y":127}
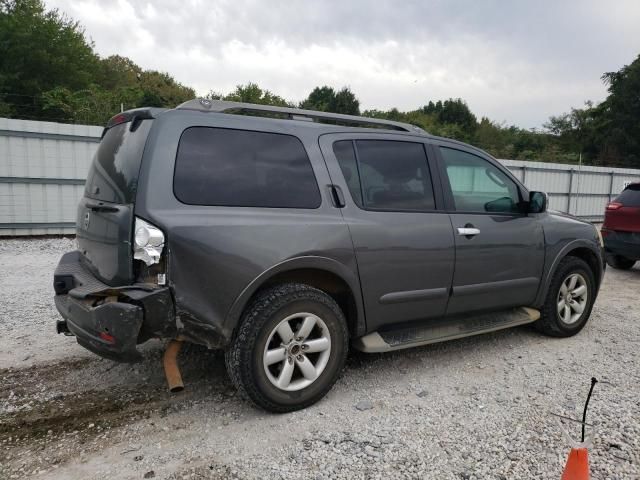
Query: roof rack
{"x":222,"y":106}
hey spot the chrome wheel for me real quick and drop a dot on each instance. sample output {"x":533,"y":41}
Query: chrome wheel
{"x":572,"y":298}
{"x":297,"y":351}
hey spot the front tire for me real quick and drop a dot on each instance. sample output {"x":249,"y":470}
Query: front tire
{"x":290,"y":347}
{"x":569,"y":299}
{"x":620,"y":263}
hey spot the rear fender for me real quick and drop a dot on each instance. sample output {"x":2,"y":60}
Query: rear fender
{"x":308,"y":262}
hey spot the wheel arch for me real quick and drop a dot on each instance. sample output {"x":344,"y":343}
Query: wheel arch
{"x":580,"y":249}
{"x":328,"y":275}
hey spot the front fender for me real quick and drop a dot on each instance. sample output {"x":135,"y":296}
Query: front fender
{"x":307,"y":262}
{"x":557,"y":257}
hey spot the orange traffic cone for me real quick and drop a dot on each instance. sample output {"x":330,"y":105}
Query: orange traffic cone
{"x":577,"y":467}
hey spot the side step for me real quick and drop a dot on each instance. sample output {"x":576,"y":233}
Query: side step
{"x":445,"y":329}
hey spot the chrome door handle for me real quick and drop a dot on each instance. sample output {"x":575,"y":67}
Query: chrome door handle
{"x":468,"y":231}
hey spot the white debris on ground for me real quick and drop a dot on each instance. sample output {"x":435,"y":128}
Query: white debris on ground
{"x":476,"y":408}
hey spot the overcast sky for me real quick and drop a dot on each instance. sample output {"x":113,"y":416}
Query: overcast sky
{"x":512,"y":61}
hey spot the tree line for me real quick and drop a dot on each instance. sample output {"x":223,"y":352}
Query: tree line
{"x":49,"y":70}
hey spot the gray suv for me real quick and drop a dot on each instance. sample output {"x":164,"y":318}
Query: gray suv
{"x":284,"y":236}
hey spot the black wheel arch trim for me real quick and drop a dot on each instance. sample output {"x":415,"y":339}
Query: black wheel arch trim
{"x":329,"y":265}
{"x":565,"y":251}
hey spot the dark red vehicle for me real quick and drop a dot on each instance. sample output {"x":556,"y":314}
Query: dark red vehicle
{"x":621,"y":229}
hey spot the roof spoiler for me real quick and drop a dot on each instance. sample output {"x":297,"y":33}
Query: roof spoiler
{"x":135,"y":116}
{"x":221,"y":106}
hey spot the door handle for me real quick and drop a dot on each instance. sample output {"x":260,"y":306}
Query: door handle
{"x":468,"y":231}
{"x":99,"y":207}
{"x":337,"y":198}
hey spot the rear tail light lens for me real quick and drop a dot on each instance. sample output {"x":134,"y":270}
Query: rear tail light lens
{"x":614,"y":206}
{"x":148,"y":242}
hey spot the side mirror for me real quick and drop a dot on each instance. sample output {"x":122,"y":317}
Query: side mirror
{"x":538,"y":202}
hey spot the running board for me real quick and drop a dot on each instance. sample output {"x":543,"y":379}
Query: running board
{"x":445,"y":329}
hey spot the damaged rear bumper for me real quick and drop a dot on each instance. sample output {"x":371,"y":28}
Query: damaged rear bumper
{"x":110,"y":321}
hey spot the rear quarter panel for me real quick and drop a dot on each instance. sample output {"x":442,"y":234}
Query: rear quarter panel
{"x":217,"y":253}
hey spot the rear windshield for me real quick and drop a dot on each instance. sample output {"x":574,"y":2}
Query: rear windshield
{"x":630,"y":196}
{"x":113,"y":176}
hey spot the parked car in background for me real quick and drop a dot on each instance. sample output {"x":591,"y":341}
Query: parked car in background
{"x":621,"y":228}
{"x":283,"y":236}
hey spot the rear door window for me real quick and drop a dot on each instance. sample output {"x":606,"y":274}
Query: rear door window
{"x":386,"y":174}
{"x":226,"y":167}
{"x":113,"y":176}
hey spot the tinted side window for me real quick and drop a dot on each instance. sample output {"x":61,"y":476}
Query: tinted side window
{"x":630,"y":196}
{"x":392,"y":175}
{"x":218,"y":166}
{"x":477,"y":185}
{"x":346,"y":156}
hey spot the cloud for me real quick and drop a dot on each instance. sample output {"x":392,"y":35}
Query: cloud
{"x":511,"y":61}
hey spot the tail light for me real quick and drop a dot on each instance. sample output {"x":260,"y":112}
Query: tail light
{"x":614,"y":206}
{"x":148,"y":242}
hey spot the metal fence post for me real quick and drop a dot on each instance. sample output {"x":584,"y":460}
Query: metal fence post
{"x":612,"y":173}
{"x":570,"y":189}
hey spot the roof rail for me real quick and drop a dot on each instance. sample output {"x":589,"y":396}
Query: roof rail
{"x":222,"y":106}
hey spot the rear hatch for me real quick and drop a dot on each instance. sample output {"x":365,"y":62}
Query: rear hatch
{"x":623,"y":214}
{"x":105,"y":214}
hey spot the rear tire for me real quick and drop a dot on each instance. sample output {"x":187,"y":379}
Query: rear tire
{"x":290,"y":347}
{"x":569,"y":299}
{"x":620,"y":263}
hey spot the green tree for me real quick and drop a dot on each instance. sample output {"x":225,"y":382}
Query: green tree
{"x":320,"y":99}
{"x":617,"y":119}
{"x":161,"y":90}
{"x":40,"y":50}
{"x":116,"y":71}
{"x":252,"y":93}
{"x":326,"y":99}
{"x":346,"y":102}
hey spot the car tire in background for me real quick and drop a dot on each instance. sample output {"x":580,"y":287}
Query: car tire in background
{"x":619,"y":262}
{"x":569,"y":299}
{"x":289,"y":349}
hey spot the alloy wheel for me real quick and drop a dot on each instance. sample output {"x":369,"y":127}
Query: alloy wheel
{"x":572,"y":298}
{"x":297,"y":351}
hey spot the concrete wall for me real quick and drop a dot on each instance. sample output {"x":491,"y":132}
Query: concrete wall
{"x":43,"y":166}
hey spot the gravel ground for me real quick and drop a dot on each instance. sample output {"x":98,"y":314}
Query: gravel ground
{"x":477,"y":408}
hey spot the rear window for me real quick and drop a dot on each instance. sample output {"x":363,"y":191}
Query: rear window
{"x":630,"y":196}
{"x":113,"y":176}
{"x":225,"y":167}
{"x":386,"y":175}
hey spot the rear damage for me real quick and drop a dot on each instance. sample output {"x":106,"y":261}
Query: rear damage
{"x":110,"y":321}
{"x":112,"y":292}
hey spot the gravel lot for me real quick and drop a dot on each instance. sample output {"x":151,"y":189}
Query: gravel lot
{"x":476,"y":408}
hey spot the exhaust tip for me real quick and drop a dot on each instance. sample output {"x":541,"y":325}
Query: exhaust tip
{"x":171,"y":369}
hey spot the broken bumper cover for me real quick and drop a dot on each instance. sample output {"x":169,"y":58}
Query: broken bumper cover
{"x":110,"y":321}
